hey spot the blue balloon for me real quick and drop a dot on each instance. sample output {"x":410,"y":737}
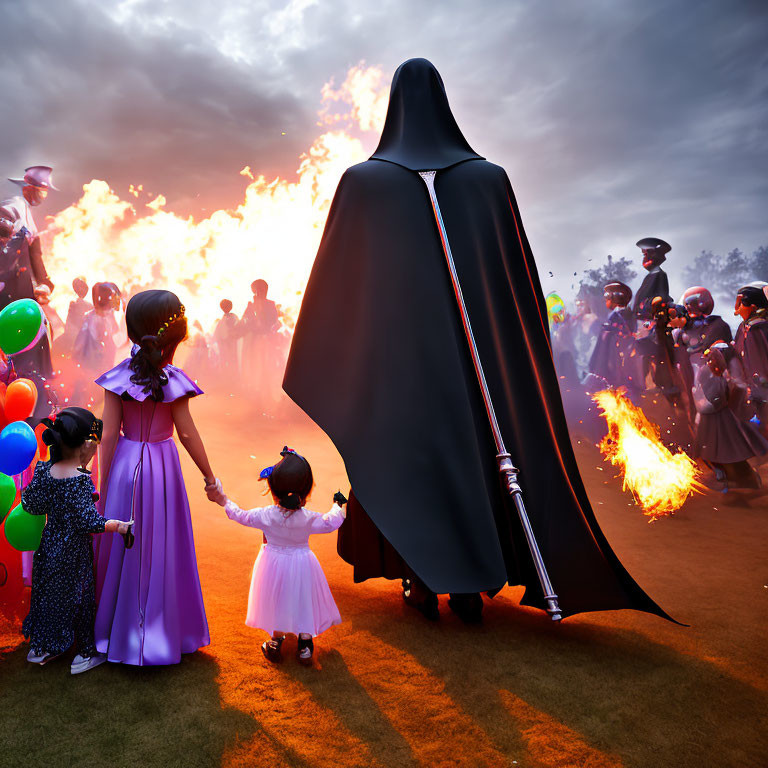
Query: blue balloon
{"x":18,"y":445}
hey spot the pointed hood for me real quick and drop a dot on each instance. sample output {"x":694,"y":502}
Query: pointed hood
{"x":420,"y":132}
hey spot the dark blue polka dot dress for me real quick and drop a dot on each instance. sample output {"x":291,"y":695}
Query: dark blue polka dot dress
{"x":63,"y":603}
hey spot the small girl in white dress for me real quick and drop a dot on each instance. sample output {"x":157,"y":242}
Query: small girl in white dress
{"x":289,"y":592}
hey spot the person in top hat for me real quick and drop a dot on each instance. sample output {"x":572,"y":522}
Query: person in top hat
{"x":21,"y":260}
{"x":751,"y":344}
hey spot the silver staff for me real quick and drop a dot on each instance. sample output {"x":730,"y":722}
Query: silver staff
{"x":507,"y":470}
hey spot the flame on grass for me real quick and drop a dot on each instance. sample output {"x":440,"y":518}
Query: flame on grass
{"x":659,"y":480}
{"x":273,"y":234}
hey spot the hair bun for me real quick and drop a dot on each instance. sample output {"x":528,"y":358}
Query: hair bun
{"x":290,"y":501}
{"x":52,"y":436}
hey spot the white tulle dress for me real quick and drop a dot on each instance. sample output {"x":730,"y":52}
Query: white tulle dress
{"x":289,"y":591}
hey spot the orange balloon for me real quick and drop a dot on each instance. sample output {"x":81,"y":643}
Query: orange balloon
{"x":20,"y":400}
{"x":43,"y":450}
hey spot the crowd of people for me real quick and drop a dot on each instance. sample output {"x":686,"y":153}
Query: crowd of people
{"x":715,"y":382}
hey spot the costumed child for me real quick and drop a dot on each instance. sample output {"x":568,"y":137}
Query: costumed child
{"x":62,"y":605}
{"x":751,"y":343}
{"x":722,"y":438}
{"x":260,"y":325}
{"x":96,"y":342}
{"x":150,"y":602}
{"x":614,"y":360}
{"x":226,"y":336}
{"x":75,"y":315}
{"x":289,"y":592}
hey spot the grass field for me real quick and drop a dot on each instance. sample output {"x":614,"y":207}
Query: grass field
{"x":390,"y":689}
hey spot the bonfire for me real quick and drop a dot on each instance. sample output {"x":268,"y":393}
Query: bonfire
{"x":660,"y":481}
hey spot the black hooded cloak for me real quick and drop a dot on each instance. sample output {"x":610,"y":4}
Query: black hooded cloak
{"x":380,"y":362}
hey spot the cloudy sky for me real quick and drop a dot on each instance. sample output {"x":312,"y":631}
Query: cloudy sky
{"x":614,"y":119}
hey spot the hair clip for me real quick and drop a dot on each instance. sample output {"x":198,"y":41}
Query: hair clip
{"x":96,"y":430}
{"x":172,"y":319}
{"x":265,"y":473}
{"x":286,"y":449}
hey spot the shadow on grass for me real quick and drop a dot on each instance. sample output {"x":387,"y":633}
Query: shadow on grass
{"x":115,"y":715}
{"x":622,"y":693}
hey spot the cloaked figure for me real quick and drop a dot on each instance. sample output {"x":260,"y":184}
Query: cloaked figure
{"x":614,"y":361}
{"x":751,"y":345}
{"x":76,"y":313}
{"x":380,"y":361}
{"x":703,"y":328}
{"x":21,"y":259}
{"x":226,"y":336}
{"x":723,"y":438}
{"x":260,"y":359}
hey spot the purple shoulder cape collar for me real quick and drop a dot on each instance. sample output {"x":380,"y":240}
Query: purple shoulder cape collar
{"x":118,"y":380}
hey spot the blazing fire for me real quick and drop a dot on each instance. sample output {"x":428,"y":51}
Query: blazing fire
{"x":659,"y":480}
{"x":273,"y":234}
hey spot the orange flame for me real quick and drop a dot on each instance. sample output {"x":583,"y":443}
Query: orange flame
{"x":273,"y":234}
{"x":659,"y":480}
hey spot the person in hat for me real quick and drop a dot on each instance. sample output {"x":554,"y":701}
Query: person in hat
{"x":25,"y":258}
{"x":751,"y":344}
{"x":655,"y":283}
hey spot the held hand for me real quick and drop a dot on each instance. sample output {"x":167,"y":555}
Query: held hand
{"x":123,"y":527}
{"x":339,"y":498}
{"x":215,"y":493}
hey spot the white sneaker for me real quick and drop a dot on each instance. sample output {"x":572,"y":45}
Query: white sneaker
{"x":84,"y":663}
{"x":43,"y":658}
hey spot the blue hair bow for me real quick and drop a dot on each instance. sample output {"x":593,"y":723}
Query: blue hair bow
{"x":265,"y":473}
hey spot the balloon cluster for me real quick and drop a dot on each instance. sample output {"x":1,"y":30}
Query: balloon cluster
{"x":22,"y":325}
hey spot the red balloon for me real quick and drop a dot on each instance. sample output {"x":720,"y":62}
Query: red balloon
{"x":20,"y":400}
{"x":43,"y":451}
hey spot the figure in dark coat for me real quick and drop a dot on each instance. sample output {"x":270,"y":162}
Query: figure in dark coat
{"x":380,"y":361}
{"x":751,"y":344}
{"x":655,"y":283}
{"x":614,"y":361}
{"x":722,"y":438}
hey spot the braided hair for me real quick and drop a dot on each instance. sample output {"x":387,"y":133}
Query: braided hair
{"x":72,"y":428}
{"x":156,"y":322}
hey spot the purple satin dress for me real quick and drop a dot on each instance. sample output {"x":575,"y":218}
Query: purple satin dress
{"x":150,"y":606}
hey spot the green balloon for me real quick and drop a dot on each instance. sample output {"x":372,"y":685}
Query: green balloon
{"x":7,"y":495}
{"x":23,"y":530}
{"x":20,"y":324}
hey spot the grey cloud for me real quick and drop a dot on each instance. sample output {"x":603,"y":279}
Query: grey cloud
{"x":615,"y":120}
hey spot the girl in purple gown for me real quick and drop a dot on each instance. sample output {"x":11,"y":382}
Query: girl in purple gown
{"x":150,"y":604}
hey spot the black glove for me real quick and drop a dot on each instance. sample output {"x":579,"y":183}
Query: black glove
{"x":339,"y":498}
